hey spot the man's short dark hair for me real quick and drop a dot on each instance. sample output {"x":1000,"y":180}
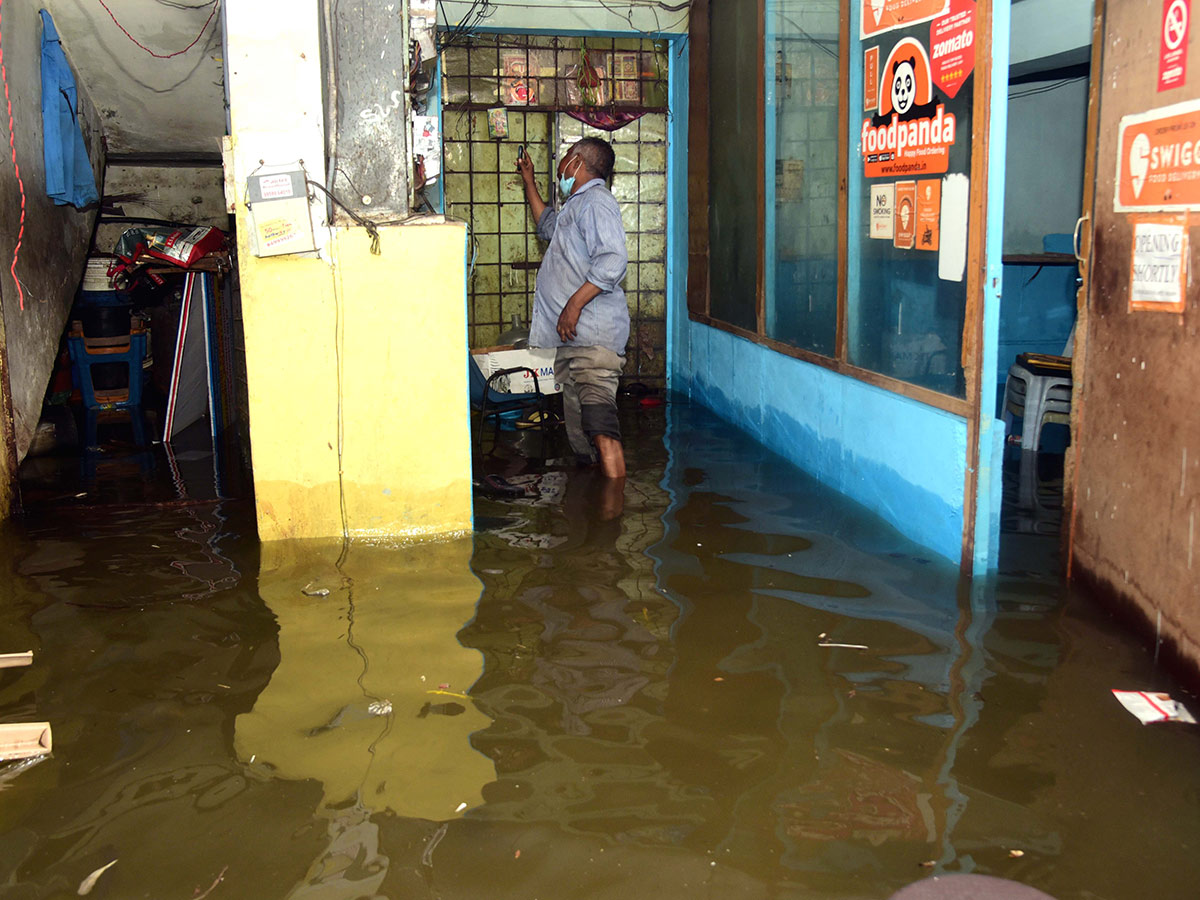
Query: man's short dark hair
{"x":597,"y":155}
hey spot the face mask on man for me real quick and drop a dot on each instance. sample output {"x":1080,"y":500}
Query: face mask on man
{"x":565,"y":184}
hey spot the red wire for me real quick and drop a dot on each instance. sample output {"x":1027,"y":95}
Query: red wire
{"x":13,"y":146}
{"x":216,"y":4}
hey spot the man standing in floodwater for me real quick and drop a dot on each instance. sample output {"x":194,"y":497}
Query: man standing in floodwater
{"x":579,"y":307}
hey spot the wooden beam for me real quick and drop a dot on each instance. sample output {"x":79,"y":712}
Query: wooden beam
{"x":698,"y":294}
{"x":972,"y":340}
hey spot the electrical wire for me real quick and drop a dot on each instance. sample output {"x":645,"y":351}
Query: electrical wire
{"x":216,"y":5}
{"x":367,"y":225}
{"x":455,"y":35}
{"x":1046,"y":88}
{"x":16,"y":167}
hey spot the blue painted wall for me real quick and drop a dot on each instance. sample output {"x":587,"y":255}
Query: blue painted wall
{"x":900,"y":458}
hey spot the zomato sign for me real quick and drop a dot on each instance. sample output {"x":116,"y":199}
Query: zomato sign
{"x":1158,"y":163}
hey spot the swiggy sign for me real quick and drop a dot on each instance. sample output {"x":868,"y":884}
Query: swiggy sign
{"x":912,"y":134}
{"x":1158,"y":165}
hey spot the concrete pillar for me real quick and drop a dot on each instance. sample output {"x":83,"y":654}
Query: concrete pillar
{"x":359,"y":419}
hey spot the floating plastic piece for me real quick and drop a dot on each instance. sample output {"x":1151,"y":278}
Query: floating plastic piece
{"x":822,"y":643}
{"x":25,"y":739}
{"x":13,"y":660}
{"x":380,"y":707}
{"x":1152,"y":706}
{"x":309,"y":591}
{"x":85,"y":886}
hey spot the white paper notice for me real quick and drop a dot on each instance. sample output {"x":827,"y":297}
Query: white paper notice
{"x":952,"y":255}
{"x":427,"y":142}
{"x":883,"y":220}
{"x":1159,"y":251}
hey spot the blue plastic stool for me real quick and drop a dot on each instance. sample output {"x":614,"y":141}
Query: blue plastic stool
{"x":87,"y":352}
{"x":124,"y":348}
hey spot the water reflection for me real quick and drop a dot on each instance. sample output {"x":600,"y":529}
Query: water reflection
{"x":369,"y":697}
{"x":638,"y":703}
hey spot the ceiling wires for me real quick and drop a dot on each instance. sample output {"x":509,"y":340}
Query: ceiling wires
{"x":455,"y":35}
{"x":215,"y":6}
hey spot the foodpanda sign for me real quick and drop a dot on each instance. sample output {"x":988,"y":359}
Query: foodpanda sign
{"x":912,"y":133}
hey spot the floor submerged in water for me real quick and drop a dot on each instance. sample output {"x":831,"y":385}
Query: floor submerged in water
{"x":600,"y":695}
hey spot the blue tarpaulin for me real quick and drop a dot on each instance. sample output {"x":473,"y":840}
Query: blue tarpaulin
{"x":69,"y":177}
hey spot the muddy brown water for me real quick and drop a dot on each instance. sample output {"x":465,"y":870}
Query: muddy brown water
{"x":600,"y":695}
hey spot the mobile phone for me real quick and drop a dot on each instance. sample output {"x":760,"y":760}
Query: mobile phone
{"x":520,"y":152}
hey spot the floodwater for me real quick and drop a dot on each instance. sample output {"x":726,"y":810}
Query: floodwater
{"x":598,"y":696}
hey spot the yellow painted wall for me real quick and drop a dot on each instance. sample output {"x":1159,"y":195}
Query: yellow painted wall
{"x":343,"y":349}
{"x":378,"y":342}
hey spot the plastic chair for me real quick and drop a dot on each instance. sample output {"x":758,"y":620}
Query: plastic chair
{"x":1038,"y":391}
{"x":498,"y":405}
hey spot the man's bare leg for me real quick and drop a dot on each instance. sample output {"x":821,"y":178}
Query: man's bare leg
{"x":612,"y":456}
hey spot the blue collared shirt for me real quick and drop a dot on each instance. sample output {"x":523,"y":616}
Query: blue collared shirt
{"x":587,"y":243}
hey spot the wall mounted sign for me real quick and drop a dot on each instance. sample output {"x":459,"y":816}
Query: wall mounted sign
{"x":883,"y":204}
{"x":1158,"y":276}
{"x":912,"y":133}
{"x":871,"y":78}
{"x":1158,"y":160}
{"x":1172,"y":51}
{"x":952,"y":46}
{"x":905,"y":236}
{"x":879,"y":16}
{"x":929,"y":208}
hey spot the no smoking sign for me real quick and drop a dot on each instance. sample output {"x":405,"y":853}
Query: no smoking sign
{"x":1172,"y":55}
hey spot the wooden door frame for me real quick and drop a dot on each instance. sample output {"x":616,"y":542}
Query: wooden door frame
{"x":1085,"y":231}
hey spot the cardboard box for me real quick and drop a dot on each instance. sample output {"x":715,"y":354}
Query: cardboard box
{"x":540,"y":360}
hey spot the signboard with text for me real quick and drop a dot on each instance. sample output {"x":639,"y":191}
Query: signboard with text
{"x":1158,"y":160}
{"x":1172,"y":52}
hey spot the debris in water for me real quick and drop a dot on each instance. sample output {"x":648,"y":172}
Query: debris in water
{"x":517,"y":855}
{"x":380,"y":707}
{"x":196,"y":895}
{"x":85,"y":886}
{"x":309,"y":591}
{"x":21,"y":740}
{"x":825,"y":643}
{"x":427,"y":856}
{"x":1151,"y":706}
{"x":444,"y":686}
{"x":1016,"y":854}
{"x":492,"y":571}
{"x":460,"y":807}
{"x":928,"y":864}
{"x":450,"y":694}
{"x":718,"y":678}
{"x":14,"y":660}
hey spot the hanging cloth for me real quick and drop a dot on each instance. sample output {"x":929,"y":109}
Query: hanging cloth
{"x":69,"y":176}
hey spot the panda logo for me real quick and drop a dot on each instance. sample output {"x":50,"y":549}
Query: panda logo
{"x":904,"y":84}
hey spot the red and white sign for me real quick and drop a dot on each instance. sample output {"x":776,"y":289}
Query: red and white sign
{"x":879,"y":16}
{"x":911,"y":135}
{"x":952,"y":46}
{"x":1158,"y":161}
{"x":871,"y":78}
{"x":1172,"y":52}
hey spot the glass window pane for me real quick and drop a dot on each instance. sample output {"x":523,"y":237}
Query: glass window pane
{"x":910,"y":162}
{"x":801,"y":208}
{"x":733,"y":172}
